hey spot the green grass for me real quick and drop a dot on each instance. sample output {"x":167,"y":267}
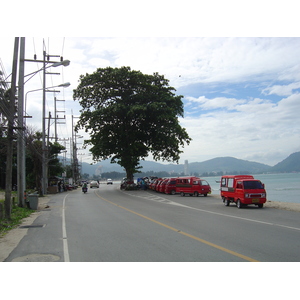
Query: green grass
{"x":17,"y":215}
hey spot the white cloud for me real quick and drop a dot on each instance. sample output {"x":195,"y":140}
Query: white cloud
{"x":281,"y":90}
{"x":216,"y":103}
{"x":236,"y":125}
{"x":197,"y":59}
{"x":257,"y":129}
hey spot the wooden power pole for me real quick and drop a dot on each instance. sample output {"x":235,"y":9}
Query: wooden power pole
{"x":10,"y":132}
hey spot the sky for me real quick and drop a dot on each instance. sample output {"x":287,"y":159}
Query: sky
{"x":240,"y":94}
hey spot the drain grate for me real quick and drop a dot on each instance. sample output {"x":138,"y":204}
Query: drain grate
{"x":32,"y":226}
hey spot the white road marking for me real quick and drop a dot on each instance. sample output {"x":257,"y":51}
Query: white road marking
{"x":160,"y":199}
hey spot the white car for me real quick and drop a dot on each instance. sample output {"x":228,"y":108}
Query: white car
{"x":109,"y":181}
{"x":94,"y":184}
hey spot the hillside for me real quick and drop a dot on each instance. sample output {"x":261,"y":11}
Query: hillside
{"x":288,"y":165}
{"x":228,"y":164}
{"x":219,"y":164}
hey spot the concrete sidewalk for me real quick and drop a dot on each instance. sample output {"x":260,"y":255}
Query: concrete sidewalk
{"x":14,"y":236}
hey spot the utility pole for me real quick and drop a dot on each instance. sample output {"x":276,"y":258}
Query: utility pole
{"x":44,"y":179}
{"x":44,"y":182}
{"x":10,"y":131}
{"x":21,"y":179}
{"x":75,"y":165}
{"x":45,"y":153}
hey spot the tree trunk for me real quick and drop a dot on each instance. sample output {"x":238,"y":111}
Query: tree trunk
{"x":129,"y":176}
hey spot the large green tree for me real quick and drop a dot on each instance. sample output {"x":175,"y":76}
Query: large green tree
{"x":130,"y":115}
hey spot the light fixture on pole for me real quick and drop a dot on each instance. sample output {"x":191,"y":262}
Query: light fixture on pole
{"x":64,"y":85}
{"x":61,"y":63}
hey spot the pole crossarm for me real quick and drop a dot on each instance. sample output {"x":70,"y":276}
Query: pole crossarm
{"x":42,"y":61}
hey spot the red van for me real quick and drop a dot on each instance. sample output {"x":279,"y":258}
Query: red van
{"x":154,"y":183}
{"x":162,"y":185}
{"x":243,"y":190}
{"x":192,"y":186}
{"x":170,"y":187}
{"x":158,"y":184}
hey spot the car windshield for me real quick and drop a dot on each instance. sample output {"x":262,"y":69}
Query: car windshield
{"x":252,"y":185}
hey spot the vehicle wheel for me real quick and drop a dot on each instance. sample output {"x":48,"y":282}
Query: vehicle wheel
{"x":173,"y":192}
{"x":205,"y":195}
{"x":261,"y":205}
{"x":182,"y":194}
{"x":196,"y":194}
{"x":239,"y":204}
{"x":226,"y":202}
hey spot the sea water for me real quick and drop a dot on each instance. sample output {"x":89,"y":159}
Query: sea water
{"x":284,"y":187}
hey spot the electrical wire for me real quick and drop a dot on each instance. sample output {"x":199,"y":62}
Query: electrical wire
{"x":27,"y":130}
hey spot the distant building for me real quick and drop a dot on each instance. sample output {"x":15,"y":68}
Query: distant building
{"x":98,"y":171}
{"x":186,"y":168}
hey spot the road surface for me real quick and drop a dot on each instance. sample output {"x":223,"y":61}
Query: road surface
{"x":110,"y":225}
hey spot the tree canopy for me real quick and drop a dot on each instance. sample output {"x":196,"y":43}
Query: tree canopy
{"x":130,"y":115}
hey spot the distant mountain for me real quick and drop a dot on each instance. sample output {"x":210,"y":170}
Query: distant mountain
{"x":215,"y":165}
{"x":106,"y":166}
{"x":220,"y":164}
{"x":228,"y":164}
{"x":288,"y":165}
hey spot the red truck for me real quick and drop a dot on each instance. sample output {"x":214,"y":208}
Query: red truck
{"x":192,"y":186}
{"x":242,"y":190}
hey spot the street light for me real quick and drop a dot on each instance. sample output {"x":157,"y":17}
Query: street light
{"x":64,"y":85}
{"x":61,"y":63}
{"x":64,"y":63}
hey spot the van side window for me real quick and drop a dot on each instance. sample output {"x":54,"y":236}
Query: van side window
{"x":230,"y":182}
{"x":204,"y":182}
{"x":223,"y":182}
{"x":195,"y":182}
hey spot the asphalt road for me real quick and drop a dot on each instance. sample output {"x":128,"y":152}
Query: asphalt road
{"x":110,"y":225}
